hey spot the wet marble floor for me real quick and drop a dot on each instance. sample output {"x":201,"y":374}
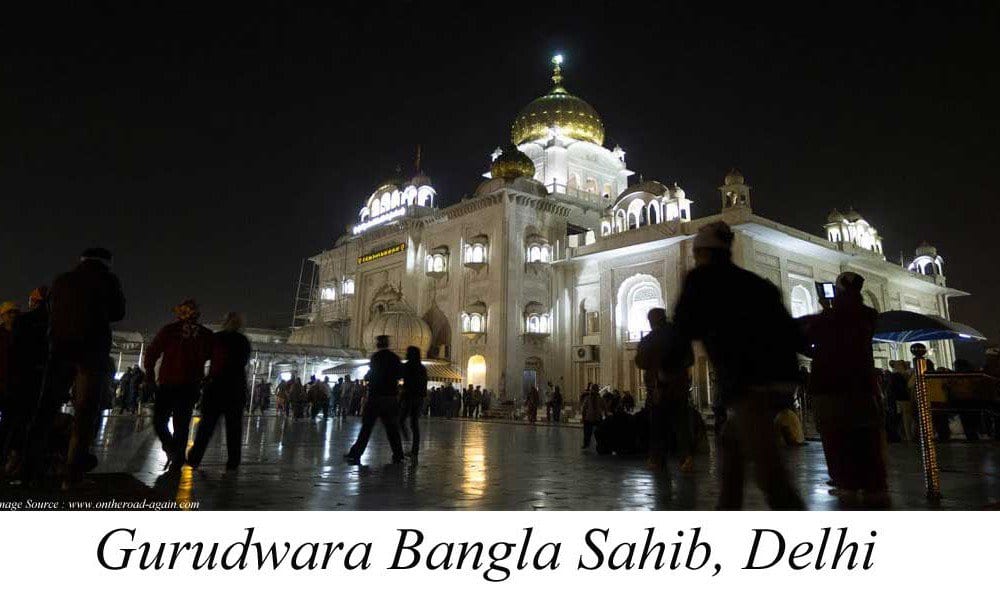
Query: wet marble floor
{"x":297,"y":465}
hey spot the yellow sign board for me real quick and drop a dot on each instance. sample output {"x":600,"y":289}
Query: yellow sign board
{"x":381,"y":253}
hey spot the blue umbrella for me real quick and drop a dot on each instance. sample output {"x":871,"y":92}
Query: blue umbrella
{"x":903,"y":326}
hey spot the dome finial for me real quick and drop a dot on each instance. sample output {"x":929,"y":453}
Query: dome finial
{"x":557,"y":61}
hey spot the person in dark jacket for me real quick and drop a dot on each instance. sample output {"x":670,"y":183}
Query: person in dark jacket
{"x":225,"y":392}
{"x":665,"y":359}
{"x":414,"y":393}
{"x":318,"y":397}
{"x":385,"y":371}
{"x":184,"y":346}
{"x":83,"y":303}
{"x":29,"y":352}
{"x":557,"y":403}
{"x":849,"y":417}
{"x":752,"y":342}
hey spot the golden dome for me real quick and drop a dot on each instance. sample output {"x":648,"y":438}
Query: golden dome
{"x":511,"y":164}
{"x":573,"y":116}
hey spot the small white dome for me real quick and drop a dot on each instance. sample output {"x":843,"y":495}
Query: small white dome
{"x":315,"y":334}
{"x":403,"y":327}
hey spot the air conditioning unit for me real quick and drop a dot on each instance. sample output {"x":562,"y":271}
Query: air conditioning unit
{"x":584,"y":353}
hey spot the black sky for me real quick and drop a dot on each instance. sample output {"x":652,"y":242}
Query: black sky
{"x":212,"y":148}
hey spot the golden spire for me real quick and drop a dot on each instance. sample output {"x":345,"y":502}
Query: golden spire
{"x":417,"y":161}
{"x":557,"y":70}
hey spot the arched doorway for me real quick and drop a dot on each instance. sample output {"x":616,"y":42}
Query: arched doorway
{"x":475,"y":373}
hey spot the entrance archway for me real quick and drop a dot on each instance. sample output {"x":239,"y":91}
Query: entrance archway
{"x":475,"y":373}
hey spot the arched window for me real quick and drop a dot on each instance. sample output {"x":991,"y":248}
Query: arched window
{"x":474,"y":320}
{"x":425,"y":196}
{"x":394,"y":201}
{"x":546,"y":254}
{"x":535,"y":254}
{"x":538,"y":323}
{"x":801,"y":302}
{"x":635,"y":211}
{"x":654,"y":212}
{"x":437,"y":262}
{"x":642,"y":297}
{"x":572,"y":183}
{"x":328,"y":293}
{"x":475,"y":253}
{"x":409,"y":195}
{"x":348,"y":287}
{"x":385,"y":202}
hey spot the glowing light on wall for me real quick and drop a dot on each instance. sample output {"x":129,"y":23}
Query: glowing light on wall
{"x":476,"y":371}
{"x":379,"y":220}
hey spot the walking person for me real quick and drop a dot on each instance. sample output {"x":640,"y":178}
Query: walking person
{"x":297,"y":397}
{"x":752,"y":342}
{"x":849,"y":417}
{"x":184,"y":347}
{"x":665,"y":360}
{"x":899,"y":394}
{"x":319,"y":397}
{"x":414,"y":392}
{"x":592,"y":409}
{"x":532,"y":404}
{"x":557,"y":404}
{"x":225,"y":393}
{"x":83,"y":303}
{"x":385,"y":371}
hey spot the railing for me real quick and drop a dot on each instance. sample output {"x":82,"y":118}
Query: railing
{"x":574,"y":192}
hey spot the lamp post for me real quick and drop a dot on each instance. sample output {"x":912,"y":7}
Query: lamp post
{"x":928,"y":448}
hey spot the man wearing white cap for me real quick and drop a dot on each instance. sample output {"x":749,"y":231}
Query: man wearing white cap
{"x":752,"y":342}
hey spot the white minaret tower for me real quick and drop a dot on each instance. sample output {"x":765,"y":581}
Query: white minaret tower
{"x":735,"y":192}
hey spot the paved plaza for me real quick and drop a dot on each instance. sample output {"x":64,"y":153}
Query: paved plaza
{"x":474,"y":465}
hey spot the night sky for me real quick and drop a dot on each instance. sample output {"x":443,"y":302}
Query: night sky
{"x":214,"y":148}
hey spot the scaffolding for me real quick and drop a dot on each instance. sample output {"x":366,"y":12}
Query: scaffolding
{"x":306,"y":294}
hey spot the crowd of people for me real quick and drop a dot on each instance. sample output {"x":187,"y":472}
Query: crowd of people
{"x":754,"y":346}
{"x":58,"y":351}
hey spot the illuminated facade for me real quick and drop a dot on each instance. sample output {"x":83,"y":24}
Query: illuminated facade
{"x":547,"y":271}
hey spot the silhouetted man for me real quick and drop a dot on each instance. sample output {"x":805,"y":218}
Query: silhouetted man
{"x":83,"y":303}
{"x":842,"y":388}
{"x":414,"y":392}
{"x":385,"y":371}
{"x":664,"y":359}
{"x":225,"y":392}
{"x":752,"y":342}
{"x":185,"y":347}
{"x":29,"y":353}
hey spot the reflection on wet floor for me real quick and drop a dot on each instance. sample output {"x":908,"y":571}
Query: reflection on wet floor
{"x":297,"y":465}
